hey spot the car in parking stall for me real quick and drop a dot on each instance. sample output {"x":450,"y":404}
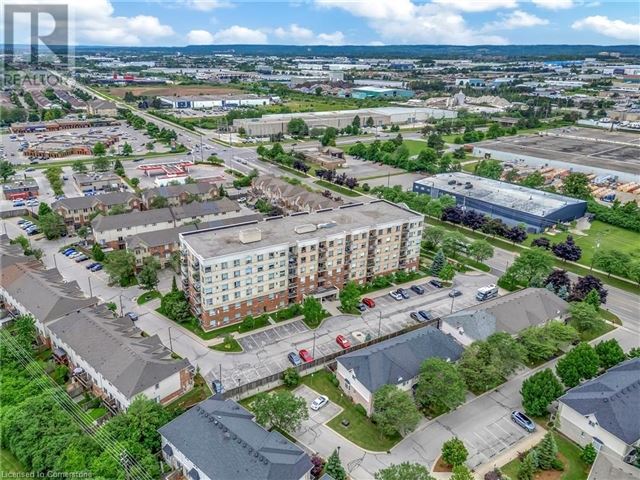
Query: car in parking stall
{"x":133,"y":316}
{"x":455,"y":293}
{"x":403,"y":293}
{"x":426,"y":316}
{"x":294,"y":359}
{"x":522,"y":420}
{"x":96,"y":268}
{"x":343,"y":342}
{"x":319,"y":402}
{"x":395,"y":295}
{"x":417,"y":289}
{"x":415,"y":316}
{"x":361,"y":307}
{"x":81,"y":258}
{"x":369,"y":302}
{"x":436,"y":283}
{"x":91,"y":265}
{"x":305,"y":356}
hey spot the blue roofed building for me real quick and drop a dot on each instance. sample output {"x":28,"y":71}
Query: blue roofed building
{"x":219,"y":440}
{"x":380,"y":92}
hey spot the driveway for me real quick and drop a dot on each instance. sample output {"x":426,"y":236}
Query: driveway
{"x":314,"y":430}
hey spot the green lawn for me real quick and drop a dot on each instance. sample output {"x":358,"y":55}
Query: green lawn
{"x":361,"y":430}
{"x":575,"y":468}
{"x":198,"y":393}
{"x":337,"y":188}
{"x":148,"y":296}
{"x":9,"y":464}
{"x":96,"y":413}
{"x":414,"y":146}
{"x":229,"y":345}
{"x":609,"y":236}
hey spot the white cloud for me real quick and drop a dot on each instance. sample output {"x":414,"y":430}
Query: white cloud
{"x":301,"y":35}
{"x":554,"y":4}
{"x":618,"y":29}
{"x":239,"y":35}
{"x":207,"y":5}
{"x":402,"y":21}
{"x":199,"y":37}
{"x":476,"y":5}
{"x":516,"y":19}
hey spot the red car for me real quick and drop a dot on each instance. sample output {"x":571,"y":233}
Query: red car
{"x":343,"y":342}
{"x":369,"y":302}
{"x":305,"y":356}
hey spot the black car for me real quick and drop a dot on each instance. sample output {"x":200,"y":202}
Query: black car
{"x":132,"y":315}
{"x":455,"y":293}
{"x":418,"y":289}
{"x":361,"y":307}
{"x":415,"y":316}
{"x":403,"y":293}
{"x":436,"y":283}
{"x":425,"y":315}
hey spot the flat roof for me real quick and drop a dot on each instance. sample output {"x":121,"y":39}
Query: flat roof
{"x":277,"y":117}
{"x":226,"y":241}
{"x":535,"y":202}
{"x":588,"y":147}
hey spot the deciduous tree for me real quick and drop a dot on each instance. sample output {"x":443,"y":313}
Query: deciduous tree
{"x":610,"y":353}
{"x":538,"y":391}
{"x":481,"y":250}
{"x":404,"y":471}
{"x":454,"y":452}
{"x":581,"y":363}
{"x":440,"y":386}
{"x":394,"y":411}
{"x":121,"y":267}
{"x":282,"y":410}
{"x":148,"y":276}
{"x":349,"y":296}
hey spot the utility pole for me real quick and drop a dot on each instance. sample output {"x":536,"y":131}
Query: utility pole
{"x":313,"y":354}
{"x":170,"y":342}
{"x":121,"y":310}
{"x":89,"y":278}
{"x":453,"y":297}
{"x":379,"y":322}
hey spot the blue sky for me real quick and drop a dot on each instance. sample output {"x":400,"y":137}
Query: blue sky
{"x":370,"y":22}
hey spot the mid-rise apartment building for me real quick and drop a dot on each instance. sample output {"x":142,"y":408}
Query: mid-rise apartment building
{"x":261,"y":266}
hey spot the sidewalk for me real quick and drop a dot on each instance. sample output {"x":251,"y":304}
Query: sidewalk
{"x":525,"y":444}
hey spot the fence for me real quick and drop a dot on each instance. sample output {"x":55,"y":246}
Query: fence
{"x":272,"y":381}
{"x":18,"y":212}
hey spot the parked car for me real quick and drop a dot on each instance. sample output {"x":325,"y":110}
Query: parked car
{"x":319,"y":402}
{"x":96,"y":268}
{"x":455,"y":293}
{"x":403,"y":293}
{"x":294,"y":358}
{"x":369,"y":302}
{"x":343,"y":341}
{"x":418,"y":289}
{"x":395,"y":295}
{"x":68,"y":250}
{"x":21,"y":221}
{"x":81,"y":258}
{"x":436,"y":283}
{"x":305,"y":356}
{"x":361,"y":307}
{"x":91,"y":265}
{"x":26,"y":225}
{"x":68,"y":253}
{"x":522,"y":420}
{"x":425,"y":315}
{"x":33,"y":231}
{"x":132,"y":315}
{"x":216,"y":384}
{"x":18,"y":203}
{"x":75,"y":254}
{"x":415,"y":316}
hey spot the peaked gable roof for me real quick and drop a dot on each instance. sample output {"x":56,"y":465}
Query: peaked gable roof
{"x":510,"y":313}
{"x":613,"y":398}
{"x":222,"y":440}
{"x":398,"y":359}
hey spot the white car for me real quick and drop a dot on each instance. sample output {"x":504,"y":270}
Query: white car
{"x":319,"y":402}
{"x":395,"y":295}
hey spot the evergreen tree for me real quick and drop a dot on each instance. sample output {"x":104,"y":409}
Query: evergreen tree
{"x":438,"y":263}
{"x":174,"y":285}
{"x":334,"y":467}
{"x":547,"y":452}
{"x":528,"y":467}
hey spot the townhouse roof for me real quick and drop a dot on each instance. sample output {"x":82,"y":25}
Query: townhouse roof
{"x":169,"y":191}
{"x":104,"y":223}
{"x":109,"y":199}
{"x":116,"y":349}
{"x":102,"y":104}
{"x":166,"y":215}
{"x":55,"y":297}
{"x":211,"y":207}
{"x":295,"y":192}
{"x":609,"y":466}
{"x":510,"y":313}
{"x":613,"y":399}
{"x":168,"y":236}
{"x":398,"y":359}
{"x":221,"y":439}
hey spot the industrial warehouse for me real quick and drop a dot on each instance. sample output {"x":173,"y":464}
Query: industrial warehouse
{"x":513,"y":204}
{"x":64,"y":145}
{"x":217,"y":101}
{"x":277,"y":123}
{"x":583,"y":149}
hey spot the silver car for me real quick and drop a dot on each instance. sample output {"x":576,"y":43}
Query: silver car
{"x":319,"y":402}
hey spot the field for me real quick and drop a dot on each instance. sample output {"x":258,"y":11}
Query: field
{"x":414,"y":146}
{"x":609,"y":236}
{"x":171,"y":90}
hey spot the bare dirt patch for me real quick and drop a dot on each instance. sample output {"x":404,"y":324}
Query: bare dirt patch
{"x":173,"y":90}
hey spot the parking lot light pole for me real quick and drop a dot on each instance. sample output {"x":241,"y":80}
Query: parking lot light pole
{"x":314,"y":345}
{"x":170,"y":342}
{"x":453,"y":297}
{"x":89,"y":278}
{"x":379,"y":322}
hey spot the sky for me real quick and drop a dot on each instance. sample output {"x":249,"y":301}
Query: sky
{"x":348,"y":22}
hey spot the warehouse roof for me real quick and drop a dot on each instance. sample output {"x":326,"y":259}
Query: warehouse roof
{"x":116,"y":349}
{"x":511,"y":313}
{"x":613,"y":398}
{"x":300,"y":227}
{"x":398,"y":359}
{"x":221,"y":439}
{"x":504,"y":194}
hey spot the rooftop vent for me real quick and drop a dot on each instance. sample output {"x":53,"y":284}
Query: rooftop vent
{"x":250,"y":235}
{"x":327,"y":225}
{"x":306,"y":228}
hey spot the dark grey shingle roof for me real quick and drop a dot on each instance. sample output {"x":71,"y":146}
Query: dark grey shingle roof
{"x":222,"y":440}
{"x":108,"y":199}
{"x":400,"y":357}
{"x":116,"y":349}
{"x":613,"y":398}
{"x":104,"y":223}
{"x":168,"y":191}
{"x":511,"y":313}
{"x":197,"y":209}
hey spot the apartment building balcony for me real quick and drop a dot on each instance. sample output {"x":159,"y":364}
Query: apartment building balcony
{"x":195,"y":275}
{"x":196,"y":286}
{"x":83,"y":378}
{"x":195,"y":264}
{"x":111,"y":404}
{"x":185,"y":283}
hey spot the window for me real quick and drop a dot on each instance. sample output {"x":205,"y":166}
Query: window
{"x":236,"y":273}
{"x":224,"y":265}
{"x":260,"y":257}
{"x":236,"y":284}
{"x":236,"y":263}
{"x":224,"y":276}
{"x":225,"y":298}
{"x":248,"y":271}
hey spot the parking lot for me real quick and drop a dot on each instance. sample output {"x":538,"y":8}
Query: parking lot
{"x":265,"y":352}
{"x":309,"y":429}
{"x":198,"y":172}
{"x":138,"y":140}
